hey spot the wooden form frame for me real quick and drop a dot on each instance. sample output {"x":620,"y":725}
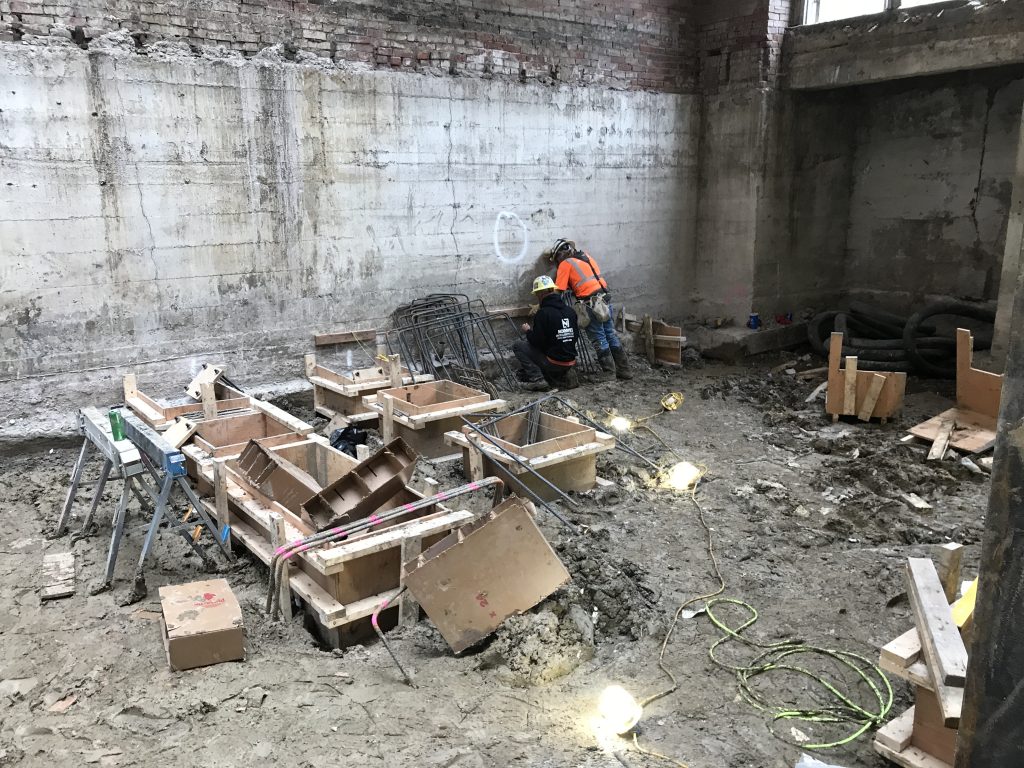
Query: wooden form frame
{"x":970,"y":427}
{"x":662,"y":343}
{"x":161,"y":416}
{"x":439,"y":410}
{"x":227,"y":436}
{"x":339,"y":585}
{"x":341,"y":395}
{"x":864,"y":394}
{"x":566,"y":461}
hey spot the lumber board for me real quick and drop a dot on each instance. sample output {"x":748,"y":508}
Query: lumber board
{"x":941,"y":442}
{"x":897,"y":733}
{"x":59,"y":575}
{"x":294,"y":424}
{"x":147,"y":412}
{"x":976,"y":390}
{"x":333,"y":560}
{"x":973,"y":432}
{"x":904,"y":650}
{"x":916,"y":673}
{"x":930,"y":733}
{"x":867,"y":406}
{"x":209,"y":373}
{"x":343,"y":337}
{"x":179,"y":432}
{"x":940,"y":640}
{"x":419,"y":422}
{"x":911,"y":757}
{"x":850,"y":386}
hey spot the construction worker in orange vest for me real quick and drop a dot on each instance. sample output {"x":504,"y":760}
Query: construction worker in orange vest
{"x":578,"y":273}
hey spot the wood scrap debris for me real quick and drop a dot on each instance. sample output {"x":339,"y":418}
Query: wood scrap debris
{"x":933,"y":658}
{"x":59,"y":575}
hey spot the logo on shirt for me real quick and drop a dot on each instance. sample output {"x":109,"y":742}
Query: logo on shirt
{"x":565,"y":322}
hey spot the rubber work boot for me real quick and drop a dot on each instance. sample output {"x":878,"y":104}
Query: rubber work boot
{"x":540,"y":385}
{"x":570,"y":380}
{"x":606,"y":362}
{"x":621,"y":363}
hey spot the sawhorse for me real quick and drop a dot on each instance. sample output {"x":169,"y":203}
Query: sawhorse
{"x":144,"y":453}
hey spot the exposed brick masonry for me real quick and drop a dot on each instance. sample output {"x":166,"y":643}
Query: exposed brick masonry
{"x":647,"y":44}
{"x":741,"y":41}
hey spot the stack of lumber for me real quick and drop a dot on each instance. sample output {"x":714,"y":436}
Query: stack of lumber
{"x":932,"y":657}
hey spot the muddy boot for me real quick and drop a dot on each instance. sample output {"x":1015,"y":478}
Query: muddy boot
{"x":540,"y":385}
{"x":604,"y":359}
{"x":621,"y":363}
{"x":569,"y":380}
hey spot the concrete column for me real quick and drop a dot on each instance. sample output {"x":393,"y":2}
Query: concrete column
{"x":1011,"y":258}
{"x":992,"y":728}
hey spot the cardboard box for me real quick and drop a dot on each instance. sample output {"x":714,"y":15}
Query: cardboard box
{"x":202,"y":624}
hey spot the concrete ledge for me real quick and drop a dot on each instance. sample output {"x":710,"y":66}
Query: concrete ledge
{"x":733,"y":344}
{"x":914,"y":42}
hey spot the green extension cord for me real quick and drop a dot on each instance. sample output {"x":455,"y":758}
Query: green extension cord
{"x":776,"y":657}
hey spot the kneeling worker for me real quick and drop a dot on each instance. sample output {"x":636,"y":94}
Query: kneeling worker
{"x":548,"y":353}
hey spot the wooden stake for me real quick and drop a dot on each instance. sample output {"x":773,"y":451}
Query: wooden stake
{"x":362,"y":452}
{"x":388,"y":419}
{"x":310,"y":361}
{"x":209,"y":400}
{"x":408,"y":608}
{"x":220,"y":497}
{"x":850,"y":387}
{"x":278,"y":538}
{"x":476,"y":464}
{"x":395,"y":371}
{"x":131,"y":386}
{"x":950,"y":556}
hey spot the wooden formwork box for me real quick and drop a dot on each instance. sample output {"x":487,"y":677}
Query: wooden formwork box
{"x":338,"y":394}
{"x":564,"y":452}
{"x":226,"y":436}
{"x":970,"y":427}
{"x":421,"y":414}
{"x":160,"y":416}
{"x":338,"y":585}
{"x":864,"y":394}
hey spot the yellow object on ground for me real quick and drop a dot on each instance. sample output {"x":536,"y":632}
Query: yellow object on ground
{"x":963,"y":608}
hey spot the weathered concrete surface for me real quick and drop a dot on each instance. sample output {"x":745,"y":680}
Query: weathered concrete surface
{"x":156,"y":214}
{"x":1013,"y":257}
{"x":933,"y":172}
{"x":913,"y":42}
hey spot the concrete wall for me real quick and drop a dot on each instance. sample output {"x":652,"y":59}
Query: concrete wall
{"x":932,"y":181}
{"x":158,"y":213}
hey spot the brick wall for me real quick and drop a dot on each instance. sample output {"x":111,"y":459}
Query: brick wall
{"x":646,"y":44}
{"x":740,"y":41}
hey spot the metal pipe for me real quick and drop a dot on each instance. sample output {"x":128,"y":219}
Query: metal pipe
{"x":376,"y":627}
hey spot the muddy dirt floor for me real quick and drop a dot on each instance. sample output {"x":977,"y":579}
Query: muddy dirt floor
{"x":808,"y":526}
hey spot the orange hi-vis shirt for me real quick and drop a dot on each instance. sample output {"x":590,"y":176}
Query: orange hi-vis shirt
{"x":579,"y":275}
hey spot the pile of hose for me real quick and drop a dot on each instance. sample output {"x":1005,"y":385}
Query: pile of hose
{"x":885,"y":341}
